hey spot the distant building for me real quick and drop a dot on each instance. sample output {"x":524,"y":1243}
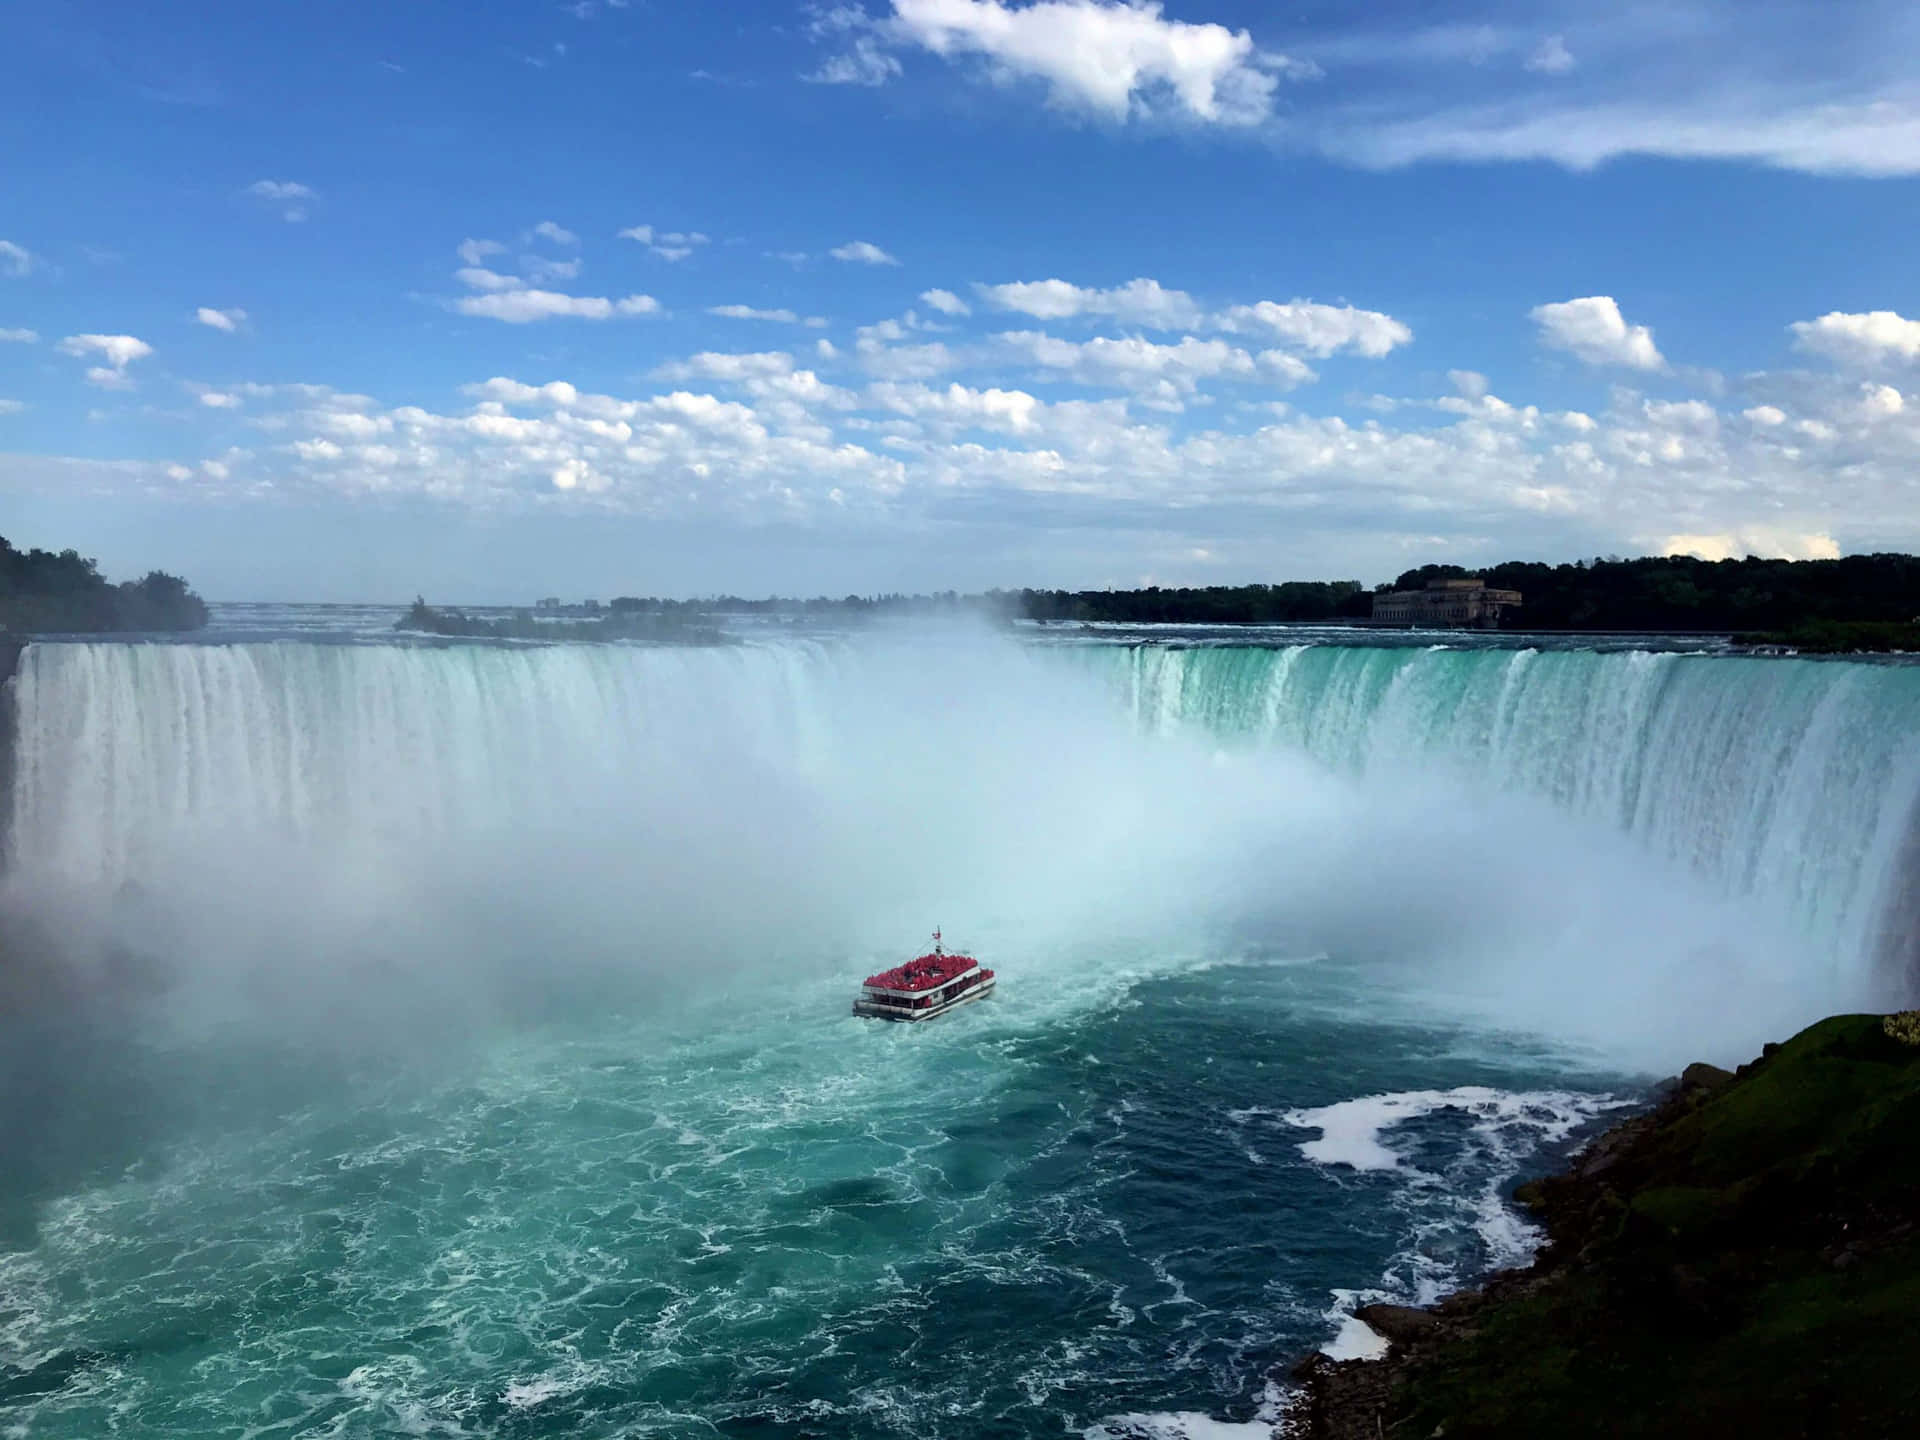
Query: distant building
{"x":1446,"y":602}
{"x":551,"y":602}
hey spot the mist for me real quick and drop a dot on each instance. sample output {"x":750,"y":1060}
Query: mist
{"x":396,"y":851}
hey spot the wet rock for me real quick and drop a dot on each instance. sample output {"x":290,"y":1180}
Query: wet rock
{"x":1399,"y":1324}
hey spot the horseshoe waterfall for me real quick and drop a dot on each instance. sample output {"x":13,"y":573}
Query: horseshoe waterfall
{"x":454,"y":1039}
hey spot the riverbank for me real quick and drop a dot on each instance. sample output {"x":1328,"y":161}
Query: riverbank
{"x":1742,"y":1259}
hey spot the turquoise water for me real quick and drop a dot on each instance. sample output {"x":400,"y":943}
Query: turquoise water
{"x":729,"y":1216}
{"x":470,"y":1052}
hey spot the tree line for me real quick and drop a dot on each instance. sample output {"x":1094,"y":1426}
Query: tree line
{"x":1678,"y":592}
{"x":49,"y":592}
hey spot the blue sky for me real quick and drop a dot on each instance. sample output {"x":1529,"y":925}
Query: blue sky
{"x":504,"y":299}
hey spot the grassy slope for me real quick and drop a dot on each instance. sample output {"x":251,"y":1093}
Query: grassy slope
{"x":1747,"y":1267}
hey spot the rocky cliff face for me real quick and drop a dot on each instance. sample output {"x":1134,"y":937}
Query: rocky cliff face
{"x":1742,"y":1260}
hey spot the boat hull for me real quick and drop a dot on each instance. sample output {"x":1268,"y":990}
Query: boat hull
{"x":874,"y":1011}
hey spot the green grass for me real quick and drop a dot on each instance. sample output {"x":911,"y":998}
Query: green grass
{"x":1711,"y":1305}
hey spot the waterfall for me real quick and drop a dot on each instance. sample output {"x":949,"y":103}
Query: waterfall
{"x":1794,"y":780}
{"x":922,"y":776}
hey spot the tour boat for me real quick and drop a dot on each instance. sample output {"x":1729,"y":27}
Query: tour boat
{"x":925,"y":986}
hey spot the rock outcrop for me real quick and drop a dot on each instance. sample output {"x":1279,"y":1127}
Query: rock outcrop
{"x":1741,"y":1260}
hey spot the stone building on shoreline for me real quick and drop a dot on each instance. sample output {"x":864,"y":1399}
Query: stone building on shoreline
{"x":1446,"y":603}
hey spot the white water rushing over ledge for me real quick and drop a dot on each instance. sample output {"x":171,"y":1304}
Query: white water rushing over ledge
{"x":1360,"y":799}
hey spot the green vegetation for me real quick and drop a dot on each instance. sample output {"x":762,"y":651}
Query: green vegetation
{"x":1863,"y":602}
{"x":1681,"y":593}
{"x":1293,"y":601}
{"x":1741,"y":1262}
{"x":47,"y":593}
{"x":1842,"y":637}
{"x":661,"y":627}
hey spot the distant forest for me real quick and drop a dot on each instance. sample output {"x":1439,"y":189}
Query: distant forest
{"x":1764,"y":598}
{"x":1681,"y":593}
{"x":46,"y":592}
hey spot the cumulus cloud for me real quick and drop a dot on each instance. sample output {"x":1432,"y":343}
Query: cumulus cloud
{"x":667,"y":244}
{"x":1138,"y":302}
{"x":227,"y":320}
{"x":289,"y":197}
{"x":719,"y":365}
{"x":1102,"y":57}
{"x":1301,"y":324}
{"x":219,"y":400}
{"x":862,"y":252}
{"x":1594,"y":330}
{"x":555,"y":234}
{"x":16,"y":260}
{"x":1320,"y":329}
{"x":960,"y":407}
{"x":1162,"y":377}
{"x":1878,"y":337}
{"x":1768,"y":415}
{"x":11,"y":407}
{"x":20,"y":337}
{"x":946,"y":302}
{"x":1879,"y":401}
{"x":523,"y":306}
{"x":1470,"y":383}
{"x":118,"y":351}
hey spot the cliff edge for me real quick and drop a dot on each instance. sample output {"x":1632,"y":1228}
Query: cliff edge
{"x":1742,"y":1260}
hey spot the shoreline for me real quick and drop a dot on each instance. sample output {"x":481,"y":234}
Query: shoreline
{"x":1744,"y":1257}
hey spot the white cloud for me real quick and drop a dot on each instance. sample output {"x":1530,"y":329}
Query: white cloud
{"x":477,"y":277}
{"x":1767,"y":415}
{"x":227,"y":320}
{"x":1769,"y":544}
{"x":556,"y":234}
{"x":865,"y":62}
{"x":476,"y":252}
{"x":718,"y":365}
{"x":511,"y":392}
{"x":903,"y":362}
{"x":1880,"y":401}
{"x":16,"y":260}
{"x":1470,"y":383}
{"x":545,"y":271}
{"x":290,"y":197}
{"x":219,"y":400}
{"x":19,"y":337}
{"x":1008,"y":411}
{"x":1302,"y":324}
{"x":1163,"y":377}
{"x":522,"y":306}
{"x":946,"y":302}
{"x":667,"y":244}
{"x":11,"y":407}
{"x":119,"y":351}
{"x":1138,"y":302}
{"x":1551,"y":56}
{"x":777,"y":317}
{"x":862,"y":252}
{"x":1871,"y":339}
{"x":1320,"y":329}
{"x":1594,"y":330}
{"x":1114,"y":60}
